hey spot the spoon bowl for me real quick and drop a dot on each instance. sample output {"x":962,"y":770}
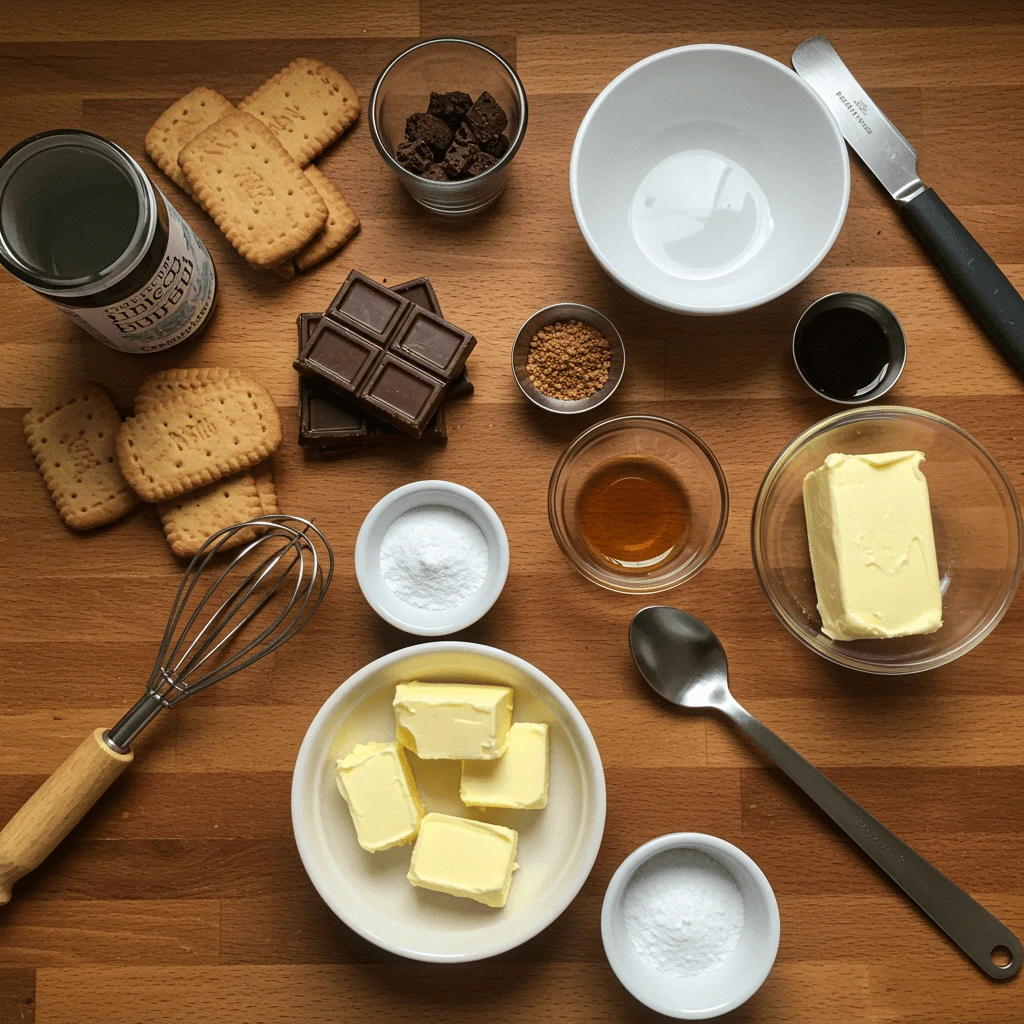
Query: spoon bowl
{"x":684,"y":662}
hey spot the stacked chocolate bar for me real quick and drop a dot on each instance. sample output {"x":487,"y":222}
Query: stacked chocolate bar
{"x":378,"y":366}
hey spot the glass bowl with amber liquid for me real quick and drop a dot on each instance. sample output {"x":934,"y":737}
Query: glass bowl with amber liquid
{"x":638,"y":504}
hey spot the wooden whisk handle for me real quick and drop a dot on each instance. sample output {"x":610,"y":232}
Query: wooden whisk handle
{"x":56,"y":807}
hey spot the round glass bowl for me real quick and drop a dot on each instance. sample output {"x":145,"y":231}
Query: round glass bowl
{"x":446,"y":65}
{"x":975,"y":516}
{"x":552,"y":315}
{"x":677,"y":453}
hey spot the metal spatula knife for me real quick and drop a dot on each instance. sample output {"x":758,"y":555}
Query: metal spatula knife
{"x":981,"y":285}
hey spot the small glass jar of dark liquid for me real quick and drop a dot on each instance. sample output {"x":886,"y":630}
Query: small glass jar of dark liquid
{"x":82,"y":225}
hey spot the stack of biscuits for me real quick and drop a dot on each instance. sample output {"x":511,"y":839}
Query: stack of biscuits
{"x":196,"y":446}
{"x":251,"y":167}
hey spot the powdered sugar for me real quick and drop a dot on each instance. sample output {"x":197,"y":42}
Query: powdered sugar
{"x":684,"y":913}
{"x":434,"y":557}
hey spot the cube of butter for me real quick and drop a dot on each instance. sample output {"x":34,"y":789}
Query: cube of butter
{"x":869,"y":527}
{"x":381,"y":795}
{"x":466,"y":858}
{"x":518,"y":779}
{"x":459,"y":721}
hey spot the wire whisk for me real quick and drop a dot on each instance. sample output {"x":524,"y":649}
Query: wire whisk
{"x":225,"y":616}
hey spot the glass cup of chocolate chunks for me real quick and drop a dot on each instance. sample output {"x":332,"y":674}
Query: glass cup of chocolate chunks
{"x":448,"y":116}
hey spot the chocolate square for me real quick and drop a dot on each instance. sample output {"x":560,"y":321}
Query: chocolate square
{"x":368,"y":306}
{"x":420,"y":291}
{"x":433,"y":343}
{"x":450,"y":107}
{"x":403,"y":394}
{"x":343,"y":356}
{"x":430,"y":130}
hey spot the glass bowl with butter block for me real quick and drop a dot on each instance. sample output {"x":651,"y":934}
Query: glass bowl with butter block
{"x":638,"y":504}
{"x":899,"y":544}
{"x":448,"y":801}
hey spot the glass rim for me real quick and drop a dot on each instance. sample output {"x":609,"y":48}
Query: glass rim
{"x":839,"y":656}
{"x":514,"y":144}
{"x":623,"y":583}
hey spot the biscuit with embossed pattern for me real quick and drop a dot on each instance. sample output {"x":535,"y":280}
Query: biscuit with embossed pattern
{"x":257,"y":194}
{"x":307,"y":106}
{"x":72,"y":441}
{"x":187,"y":442}
{"x":191,"y":519}
{"x":167,"y":384}
{"x":179,"y":124}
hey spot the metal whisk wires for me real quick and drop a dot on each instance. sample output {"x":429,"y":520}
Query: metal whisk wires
{"x":227,"y":616}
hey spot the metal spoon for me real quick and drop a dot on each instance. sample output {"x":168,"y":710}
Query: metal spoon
{"x":685,"y":662}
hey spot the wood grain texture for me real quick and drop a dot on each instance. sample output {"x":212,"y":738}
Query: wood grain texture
{"x":188,"y":861}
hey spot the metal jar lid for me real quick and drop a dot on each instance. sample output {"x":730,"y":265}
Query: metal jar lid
{"x":35,"y":174}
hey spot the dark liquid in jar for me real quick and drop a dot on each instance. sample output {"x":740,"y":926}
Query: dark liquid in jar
{"x":843,"y":353}
{"x":633,"y":514}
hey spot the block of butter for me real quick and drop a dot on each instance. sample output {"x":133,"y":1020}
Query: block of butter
{"x":518,"y":779}
{"x":463,"y":857}
{"x":869,"y":527}
{"x":460,"y":721}
{"x":381,"y":795}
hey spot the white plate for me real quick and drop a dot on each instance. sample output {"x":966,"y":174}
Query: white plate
{"x":369,"y":891}
{"x":709,"y":179}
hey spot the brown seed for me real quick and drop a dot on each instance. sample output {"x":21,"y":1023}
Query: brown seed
{"x":569,"y":360}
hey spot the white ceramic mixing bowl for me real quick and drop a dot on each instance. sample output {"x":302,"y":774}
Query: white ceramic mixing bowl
{"x":709,"y":179}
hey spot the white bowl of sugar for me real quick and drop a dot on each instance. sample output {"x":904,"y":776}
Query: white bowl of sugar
{"x":431,"y":557}
{"x":690,"y":925}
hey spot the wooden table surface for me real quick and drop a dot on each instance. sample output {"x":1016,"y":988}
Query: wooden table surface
{"x":181,"y":897}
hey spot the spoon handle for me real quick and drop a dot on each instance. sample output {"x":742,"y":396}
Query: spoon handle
{"x":962,"y":918}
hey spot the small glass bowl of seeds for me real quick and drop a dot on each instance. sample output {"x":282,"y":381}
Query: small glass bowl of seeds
{"x":568,"y":358}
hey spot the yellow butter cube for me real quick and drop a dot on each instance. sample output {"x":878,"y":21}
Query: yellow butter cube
{"x":458,"y":721}
{"x":462,"y":857}
{"x":381,"y":795}
{"x":517,"y":779}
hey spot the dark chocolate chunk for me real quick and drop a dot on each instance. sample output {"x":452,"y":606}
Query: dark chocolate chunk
{"x":435,"y":172}
{"x":414,"y":156}
{"x":465,"y":136}
{"x":450,"y":107}
{"x":480,"y":163}
{"x":458,"y":158}
{"x":497,"y":147}
{"x":392,"y":356}
{"x":431,"y":130}
{"x":485,"y":117}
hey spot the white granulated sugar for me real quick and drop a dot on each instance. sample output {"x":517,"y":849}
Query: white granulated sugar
{"x":684,"y":913}
{"x":434,"y":558}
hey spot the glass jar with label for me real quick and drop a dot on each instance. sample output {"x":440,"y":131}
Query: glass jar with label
{"x":82,"y":225}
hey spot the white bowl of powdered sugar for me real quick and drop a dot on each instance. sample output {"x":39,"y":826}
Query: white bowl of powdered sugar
{"x":690,"y":925}
{"x":431,"y":557}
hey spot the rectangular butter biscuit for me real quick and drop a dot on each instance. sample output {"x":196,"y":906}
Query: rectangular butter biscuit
{"x":191,"y":519}
{"x":73,"y":443}
{"x":257,"y":194}
{"x":342,"y":222}
{"x":187,"y":442}
{"x":307,"y":106}
{"x":179,"y":124}
{"x":165,"y":384}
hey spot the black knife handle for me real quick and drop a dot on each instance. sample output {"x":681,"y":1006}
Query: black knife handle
{"x":981,"y":285}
